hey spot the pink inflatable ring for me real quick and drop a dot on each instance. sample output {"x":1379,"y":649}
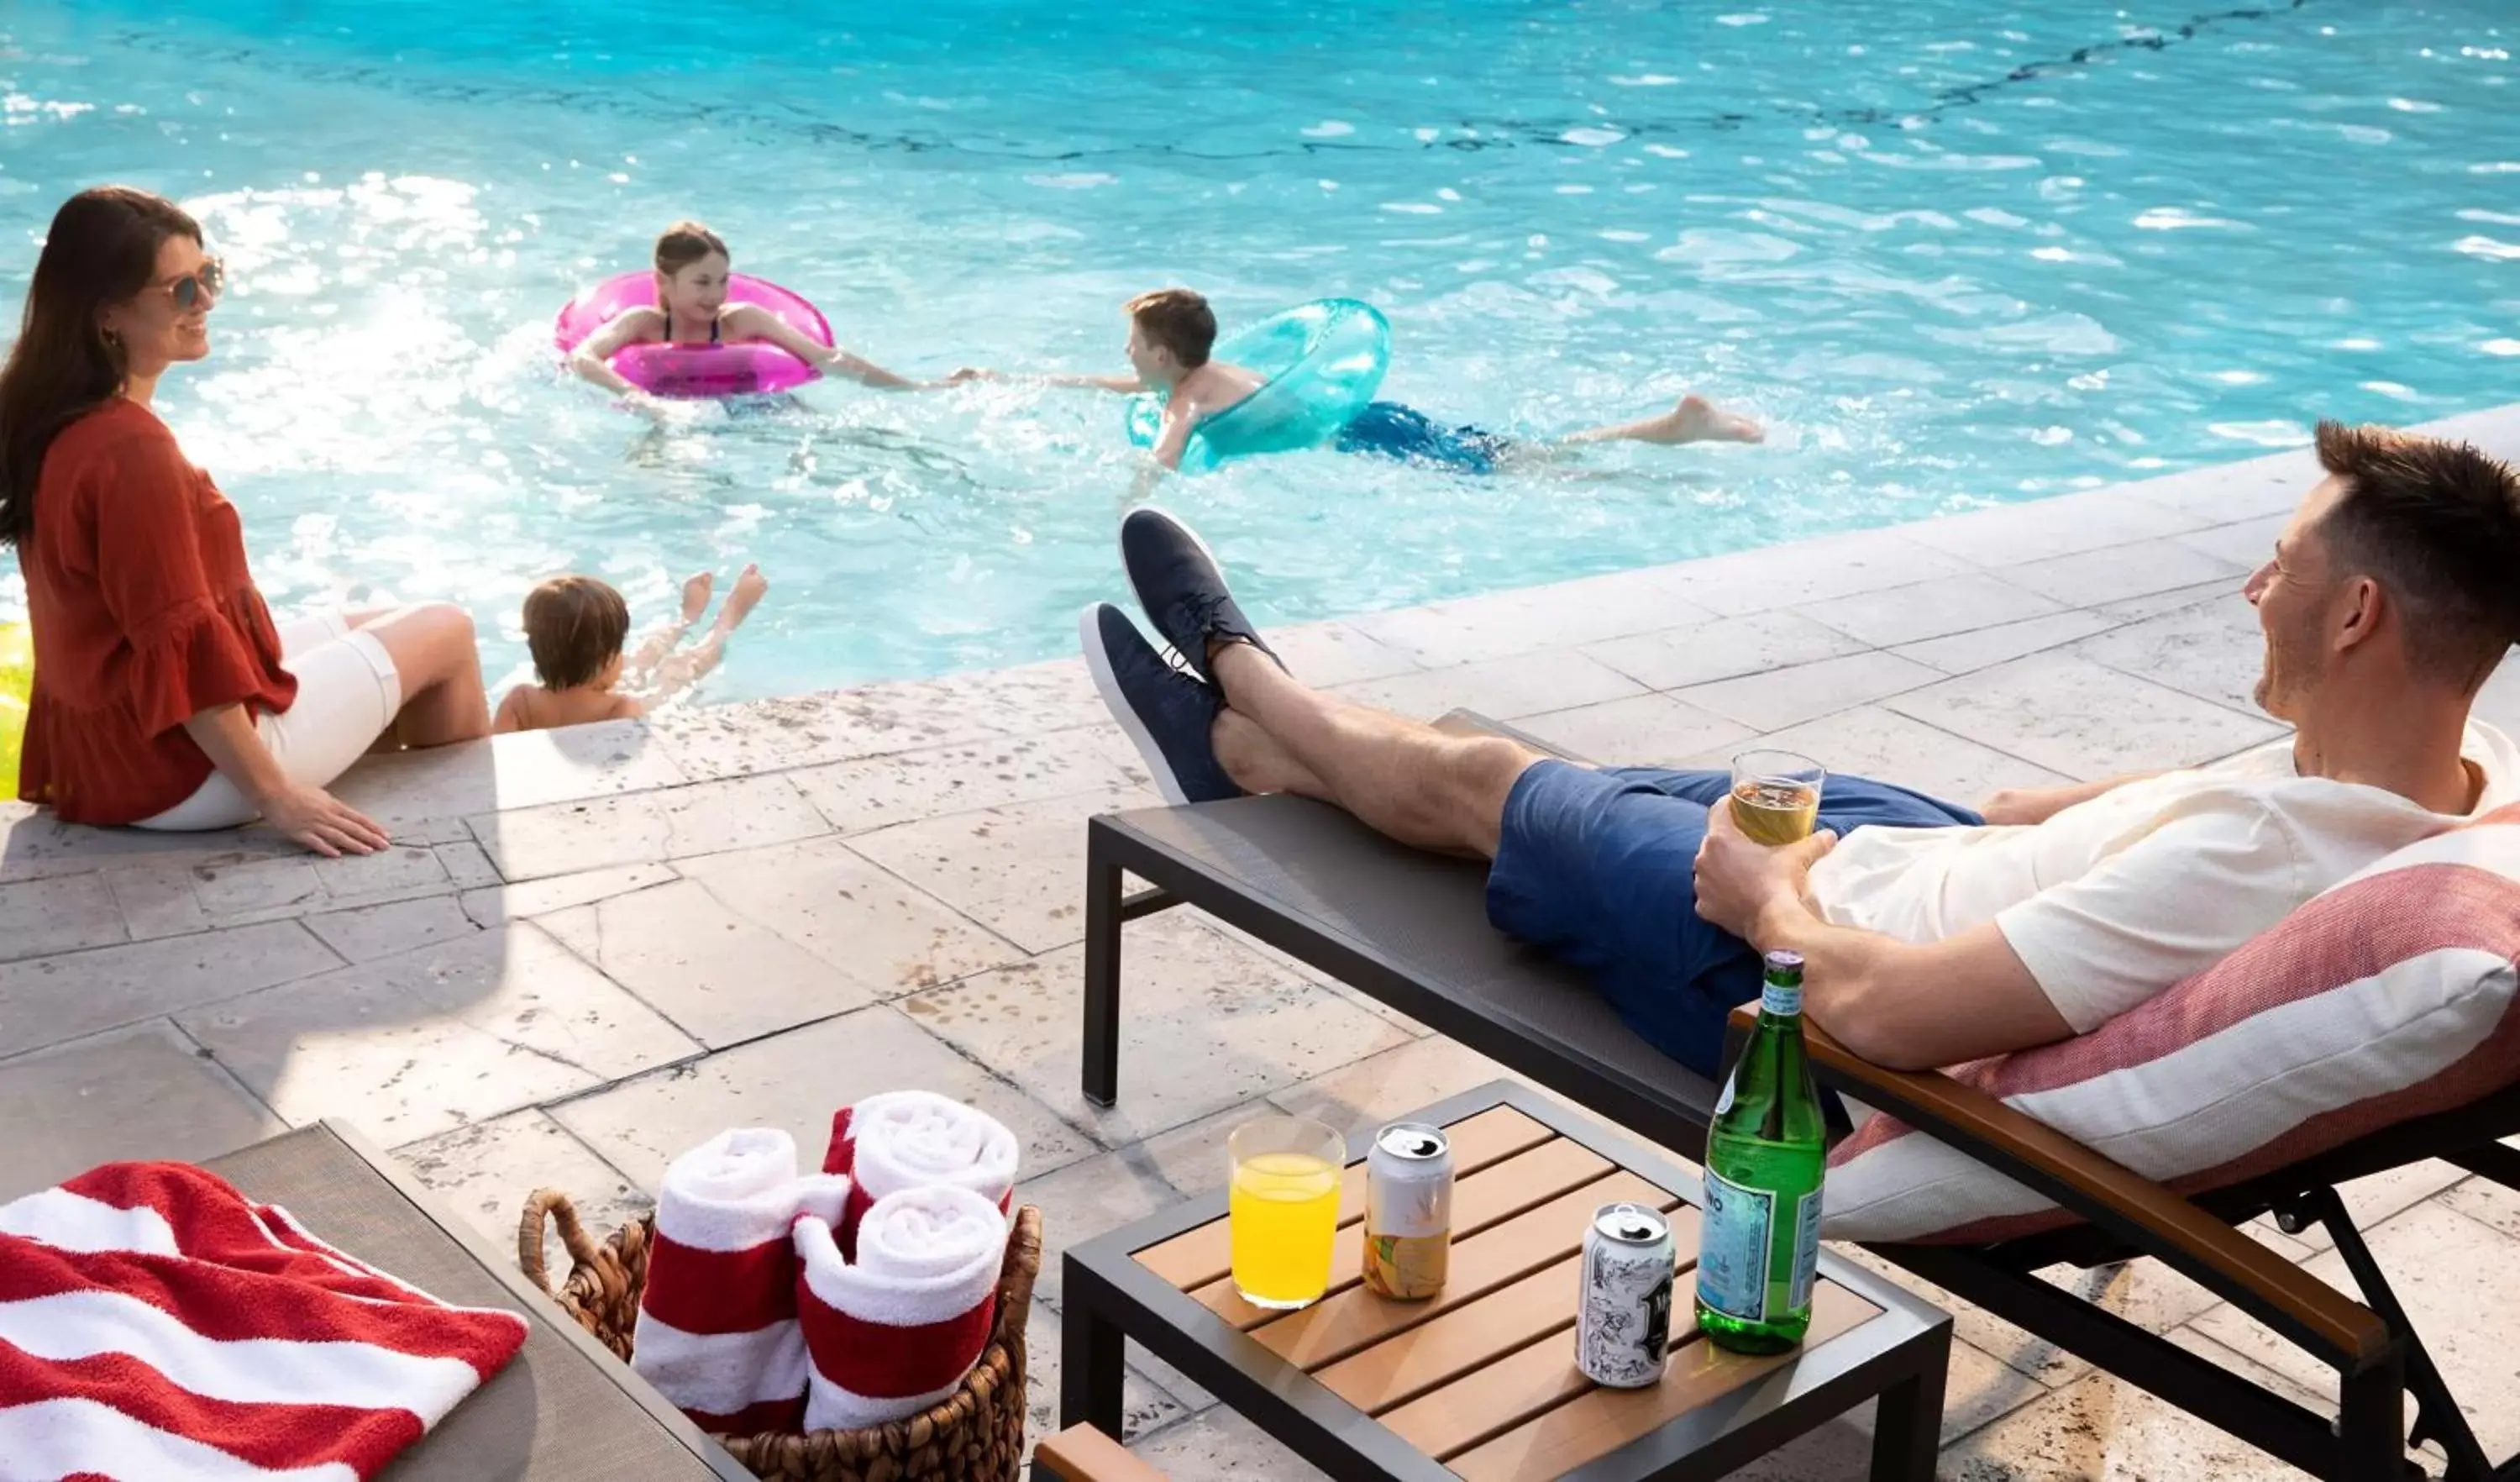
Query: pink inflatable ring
{"x":751,"y":367}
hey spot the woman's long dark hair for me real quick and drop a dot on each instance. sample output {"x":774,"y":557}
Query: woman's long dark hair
{"x":102,"y":250}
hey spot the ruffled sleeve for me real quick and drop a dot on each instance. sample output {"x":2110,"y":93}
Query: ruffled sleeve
{"x":155,"y":579}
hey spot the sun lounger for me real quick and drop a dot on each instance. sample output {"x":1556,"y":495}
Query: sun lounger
{"x":1409,"y":928}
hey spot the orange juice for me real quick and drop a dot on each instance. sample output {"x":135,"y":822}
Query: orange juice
{"x":1773,"y":811}
{"x":1284,"y":1209}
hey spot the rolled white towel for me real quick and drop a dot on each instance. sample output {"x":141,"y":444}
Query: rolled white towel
{"x":903,"y":1140}
{"x":894,"y":1331}
{"x":717,"y":1330}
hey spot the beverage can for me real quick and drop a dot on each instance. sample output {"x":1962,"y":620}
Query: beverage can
{"x":1409,"y":1211}
{"x":1623,"y":1309}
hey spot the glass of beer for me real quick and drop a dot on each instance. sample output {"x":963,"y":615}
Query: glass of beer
{"x":1283,"y":1208}
{"x":1775,"y":795}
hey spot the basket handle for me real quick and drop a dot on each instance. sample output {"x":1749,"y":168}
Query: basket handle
{"x":529,"y":1235}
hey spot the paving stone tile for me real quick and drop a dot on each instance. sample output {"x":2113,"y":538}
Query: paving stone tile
{"x":1929,"y":609}
{"x":143,"y":1091}
{"x":720,"y":977}
{"x":523,"y":770}
{"x":2460,"y":1280}
{"x":876,"y":930}
{"x":41,"y":917}
{"x":703,"y":818}
{"x":35,"y":845}
{"x":797,"y":1081}
{"x":497,"y":904}
{"x":1500,"y":687}
{"x":1968,"y":653}
{"x":1975,"y":1391}
{"x":1205,"y":1025}
{"x":1820,"y":569}
{"x":1972,"y":1324}
{"x":2214,"y":651}
{"x":1647,"y":728}
{"x":1327,"y":653}
{"x":2256,"y":486}
{"x":878,"y":792}
{"x":364,"y":933}
{"x":1677,"y":658}
{"x":2378,"y":1196}
{"x":1501,"y":624}
{"x":2073,"y":716}
{"x":1376,"y":1089}
{"x":44,"y":1001}
{"x":1145,"y":1405}
{"x":2247,"y":544}
{"x":167,"y":897}
{"x":410,"y":1045}
{"x":2044,"y":528}
{"x":2487,"y":1202}
{"x":1218,"y":1444}
{"x":2134,"y":610}
{"x":1784,"y":697}
{"x":2093,"y":577}
{"x":1018,"y":870}
{"x":764,"y":736}
{"x":1096,"y":1195}
{"x":1887,"y":746}
{"x":2101,"y":1428}
{"x":485,"y":1170}
{"x":467,"y":867}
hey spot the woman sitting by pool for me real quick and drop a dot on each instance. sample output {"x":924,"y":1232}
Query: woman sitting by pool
{"x":694,"y":272}
{"x":165,"y":695}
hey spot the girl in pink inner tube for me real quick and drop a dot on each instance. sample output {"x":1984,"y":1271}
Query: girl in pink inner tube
{"x":693,"y":273}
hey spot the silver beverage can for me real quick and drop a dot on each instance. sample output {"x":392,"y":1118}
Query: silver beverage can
{"x":1623,"y":1309}
{"x":1409,"y":1211}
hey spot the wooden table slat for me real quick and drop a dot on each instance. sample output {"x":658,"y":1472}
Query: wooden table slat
{"x":1485,"y":1199}
{"x":1203,"y":1255}
{"x":1598,"y":1422}
{"x":1511,"y":1317}
{"x":1343,"y":1323}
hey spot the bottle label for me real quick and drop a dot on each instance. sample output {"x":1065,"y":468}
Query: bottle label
{"x":1782,"y":999}
{"x":1732,"y":1249}
{"x":1798,"y":1290}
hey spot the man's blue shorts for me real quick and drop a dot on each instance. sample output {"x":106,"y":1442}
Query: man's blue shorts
{"x":1599,"y":867}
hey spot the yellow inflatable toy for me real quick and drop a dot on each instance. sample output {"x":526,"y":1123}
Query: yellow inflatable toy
{"x":17,"y":677}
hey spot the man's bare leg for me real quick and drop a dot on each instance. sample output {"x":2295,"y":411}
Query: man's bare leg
{"x":1694,"y":419}
{"x":1401,"y":778}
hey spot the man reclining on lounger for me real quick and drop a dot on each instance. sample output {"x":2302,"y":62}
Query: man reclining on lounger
{"x":1933,"y":935}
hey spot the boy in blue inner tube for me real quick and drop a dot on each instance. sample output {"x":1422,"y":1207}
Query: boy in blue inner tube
{"x":1171,"y":332}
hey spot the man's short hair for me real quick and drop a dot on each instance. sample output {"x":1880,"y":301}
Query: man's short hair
{"x":574,"y":626}
{"x":2437,"y":524}
{"x":1176,"y":320}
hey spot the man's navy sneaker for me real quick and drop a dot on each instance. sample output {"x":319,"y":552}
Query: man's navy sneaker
{"x":1166,"y":713}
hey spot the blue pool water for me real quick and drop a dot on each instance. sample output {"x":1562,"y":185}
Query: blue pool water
{"x":1955,"y":251}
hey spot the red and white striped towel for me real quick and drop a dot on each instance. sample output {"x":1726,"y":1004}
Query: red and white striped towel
{"x":894,"y":1330}
{"x":717,"y":1323}
{"x":157,"y":1325}
{"x":904,"y":1140}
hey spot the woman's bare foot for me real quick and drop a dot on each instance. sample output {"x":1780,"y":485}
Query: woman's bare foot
{"x":1698,"y":420}
{"x":696,"y":596}
{"x":750,"y":588}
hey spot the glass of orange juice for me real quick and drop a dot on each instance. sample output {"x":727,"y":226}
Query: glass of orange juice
{"x":1283,"y":1208}
{"x":1775,"y":795}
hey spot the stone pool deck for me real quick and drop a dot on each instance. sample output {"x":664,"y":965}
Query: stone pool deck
{"x":591,"y":949}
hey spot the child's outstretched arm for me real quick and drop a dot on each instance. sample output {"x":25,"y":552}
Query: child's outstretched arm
{"x":1124,"y":384}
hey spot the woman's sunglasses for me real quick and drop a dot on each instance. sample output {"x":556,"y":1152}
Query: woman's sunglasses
{"x":207,"y":280}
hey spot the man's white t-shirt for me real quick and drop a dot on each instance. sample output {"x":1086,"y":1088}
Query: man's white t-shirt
{"x":2113,"y":900}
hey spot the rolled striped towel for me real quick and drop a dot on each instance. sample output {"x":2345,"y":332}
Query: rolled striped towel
{"x":717,"y":1323}
{"x":894,"y":1330}
{"x":154,"y":1322}
{"x":903,"y":1140}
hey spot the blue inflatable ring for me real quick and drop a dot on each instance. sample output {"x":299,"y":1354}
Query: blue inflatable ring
{"x":1320,"y":363}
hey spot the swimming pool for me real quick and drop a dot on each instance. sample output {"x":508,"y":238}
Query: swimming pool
{"x":1957,"y":252}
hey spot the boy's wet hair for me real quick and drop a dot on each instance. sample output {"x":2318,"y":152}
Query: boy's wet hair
{"x":1176,"y":320}
{"x":574,"y":625}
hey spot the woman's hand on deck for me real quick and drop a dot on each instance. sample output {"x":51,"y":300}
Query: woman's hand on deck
{"x":322,"y":821}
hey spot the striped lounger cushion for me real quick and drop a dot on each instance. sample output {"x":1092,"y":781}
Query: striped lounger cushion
{"x":2388,"y":996}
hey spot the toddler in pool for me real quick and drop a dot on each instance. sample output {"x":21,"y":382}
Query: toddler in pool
{"x":576,"y":628}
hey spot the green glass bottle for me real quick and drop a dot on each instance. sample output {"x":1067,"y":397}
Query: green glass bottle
{"x":1759,"y":1245}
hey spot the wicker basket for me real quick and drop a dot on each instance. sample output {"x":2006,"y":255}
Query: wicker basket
{"x":975,"y":1436}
